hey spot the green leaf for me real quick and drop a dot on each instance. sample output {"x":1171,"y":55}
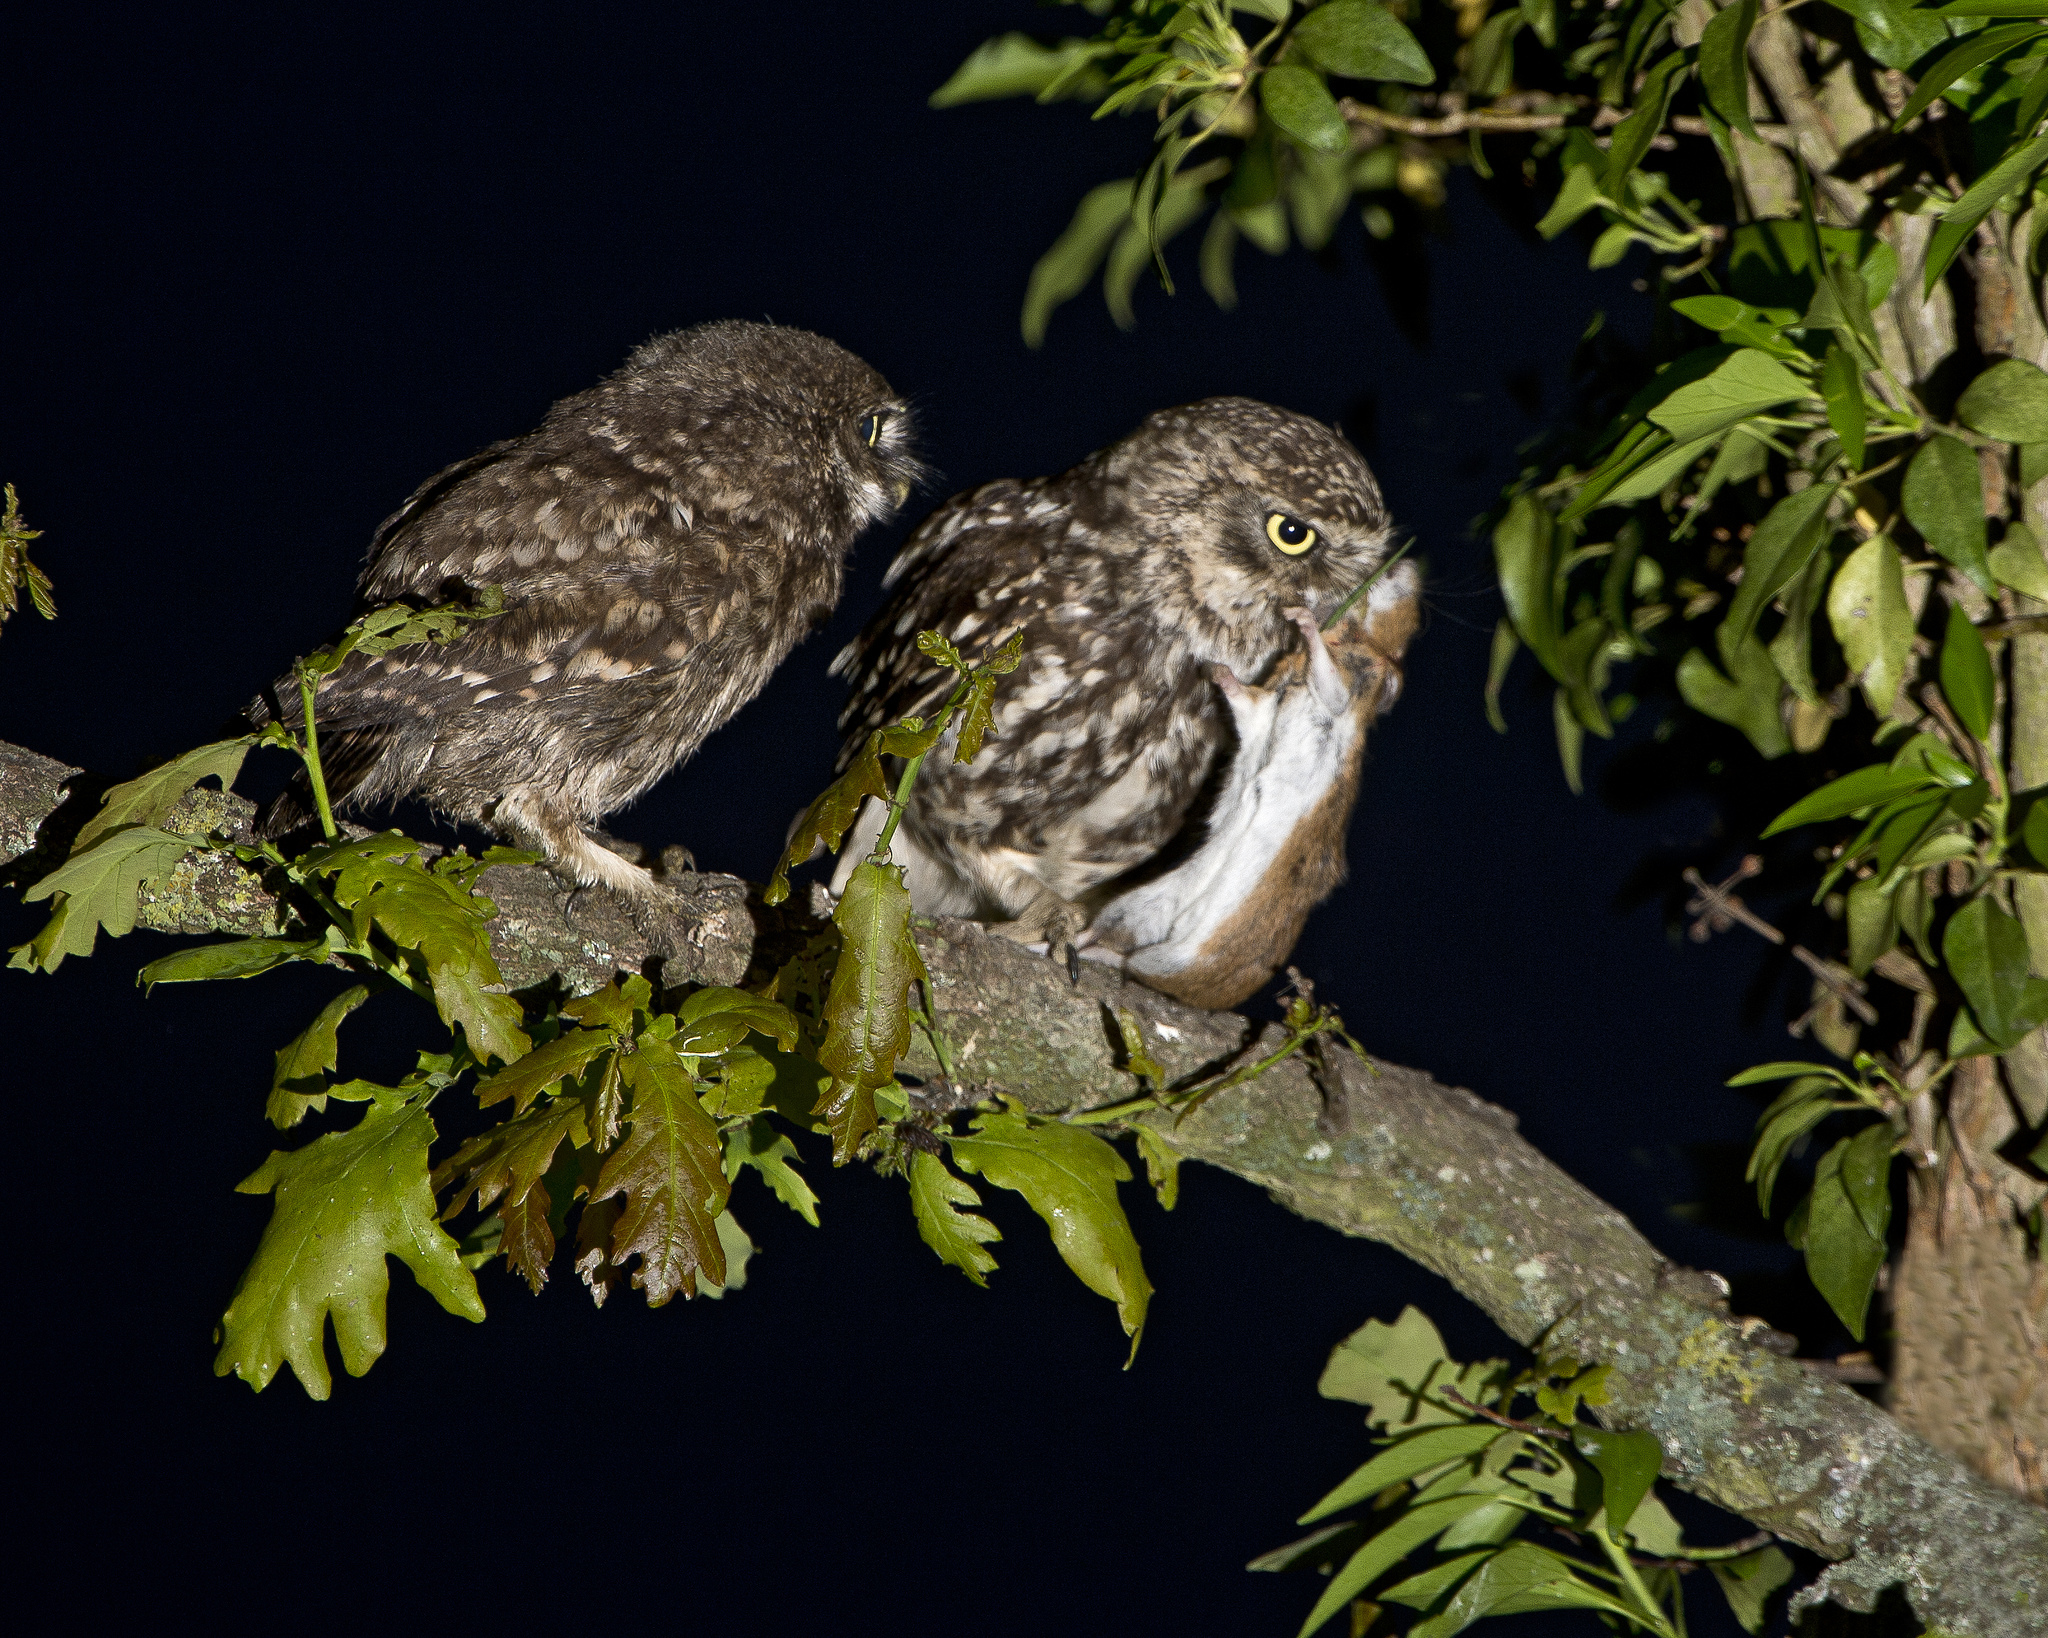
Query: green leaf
{"x":239,"y":958}
{"x":1749,"y":1581}
{"x":1960,"y":221}
{"x":1015,"y":65}
{"x":1162,"y":1160}
{"x":149,"y":799}
{"x":1522,"y":551}
{"x":1382,"y":1552}
{"x":1519,"y":1580}
{"x":1390,"y":1369}
{"x":1505,"y":643}
{"x":718,"y":1018}
{"x":504,"y":1167}
{"x":1783,"y":1070}
{"x":1871,"y":620}
{"x":2009,"y":401}
{"x":671,"y":1171}
{"x":834,"y":809}
{"x":1943,"y":497}
{"x":1068,"y":1176}
{"x":345,"y":1202}
{"x":1966,"y":679}
{"x":1873,"y":922}
{"x":1791,"y":650}
{"x":1856,"y":792}
{"x":1650,"y":477}
{"x":1061,"y":274}
{"x":1724,"y":64}
{"x":1580,"y":193}
{"x":1633,"y":136}
{"x":1627,"y":1464}
{"x":1842,"y":1257}
{"x":1491,"y":65}
{"x":1362,"y":41}
{"x":1977,"y":50}
{"x":1808,"y":1102}
{"x":1748,"y":702}
{"x":1986,"y":950}
{"x":759,"y":1145}
{"x":867,"y":1008}
{"x":420,"y":909}
{"x":1135,"y":250}
{"x":1402,"y":1461}
{"x":936,"y":1198}
{"x":1746,"y":383}
{"x":299,"y":1081}
{"x":1771,"y":263}
{"x":545,"y":1068}
{"x":1779,"y":551}
{"x":1895,"y":32}
{"x":2017,"y":561}
{"x":1841,"y":389}
{"x":1865,"y":1174}
{"x":100,"y":888}
{"x":1298,"y":103}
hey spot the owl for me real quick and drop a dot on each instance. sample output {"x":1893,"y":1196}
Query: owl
{"x":1132,"y":576}
{"x":662,"y":541}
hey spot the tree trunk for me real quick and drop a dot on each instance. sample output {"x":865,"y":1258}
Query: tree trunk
{"x":1969,"y":1296}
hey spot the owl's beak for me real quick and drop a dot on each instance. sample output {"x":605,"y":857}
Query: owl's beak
{"x":902,"y":490}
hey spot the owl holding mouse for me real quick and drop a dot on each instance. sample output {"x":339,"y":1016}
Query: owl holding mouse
{"x":662,"y":541}
{"x":1180,"y":728}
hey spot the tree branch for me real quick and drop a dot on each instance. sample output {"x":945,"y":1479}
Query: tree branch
{"x":1432,"y":1171}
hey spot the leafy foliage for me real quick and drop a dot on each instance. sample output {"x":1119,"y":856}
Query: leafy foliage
{"x":1460,"y":1477}
{"x":1803,"y":514}
{"x":16,"y":571}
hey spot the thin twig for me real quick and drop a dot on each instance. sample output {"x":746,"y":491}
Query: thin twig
{"x":1534,"y":1429}
{"x":1716,"y":909}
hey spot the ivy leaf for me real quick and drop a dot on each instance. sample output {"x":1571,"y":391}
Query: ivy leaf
{"x":1298,"y":103}
{"x":1841,"y":389}
{"x":1842,"y":1256}
{"x":867,"y":1009}
{"x":1943,"y":497}
{"x":1402,"y":1461}
{"x":1724,"y":64}
{"x":1015,"y":65}
{"x":149,"y":799}
{"x":759,"y":1145}
{"x":1627,"y":1464}
{"x":299,"y":1081}
{"x":2009,"y":401}
{"x":238,"y":958}
{"x":1362,"y":41}
{"x":1867,"y":609}
{"x":345,"y":1202}
{"x":1744,"y":384}
{"x":1068,"y":1176}
{"x":1966,"y":679}
{"x":936,"y":1198}
{"x":1781,"y":548}
{"x":100,"y":888}
{"x":505,"y":1165}
{"x":1063,"y":272}
{"x":671,"y":1172}
{"x":1748,"y":1582}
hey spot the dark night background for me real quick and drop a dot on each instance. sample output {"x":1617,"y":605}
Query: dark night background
{"x":269,"y":268}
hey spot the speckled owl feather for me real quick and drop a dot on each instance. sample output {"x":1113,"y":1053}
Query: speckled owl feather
{"x":662,"y":541}
{"x":1132,"y":576}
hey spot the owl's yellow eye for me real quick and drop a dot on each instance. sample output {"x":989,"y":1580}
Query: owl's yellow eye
{"x":1289,"y":533}
{"x":870,"y":429}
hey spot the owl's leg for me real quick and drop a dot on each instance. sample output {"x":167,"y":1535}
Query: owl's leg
{"x":1048,"y":925}
{"x":572,"y":848}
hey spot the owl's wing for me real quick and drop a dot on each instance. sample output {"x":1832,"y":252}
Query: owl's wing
{"x":593,"y":566}
{"x":951,"y":576}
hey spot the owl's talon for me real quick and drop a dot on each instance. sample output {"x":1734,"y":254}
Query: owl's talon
{"x":1073,"y":966}
{"x":676,"y":860}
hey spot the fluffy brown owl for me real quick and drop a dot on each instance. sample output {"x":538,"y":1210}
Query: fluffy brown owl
{"x":1133,"y":576}
{"x":662,"y":541}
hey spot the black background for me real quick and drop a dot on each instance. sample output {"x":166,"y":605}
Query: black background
{"x":266,"y":270}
